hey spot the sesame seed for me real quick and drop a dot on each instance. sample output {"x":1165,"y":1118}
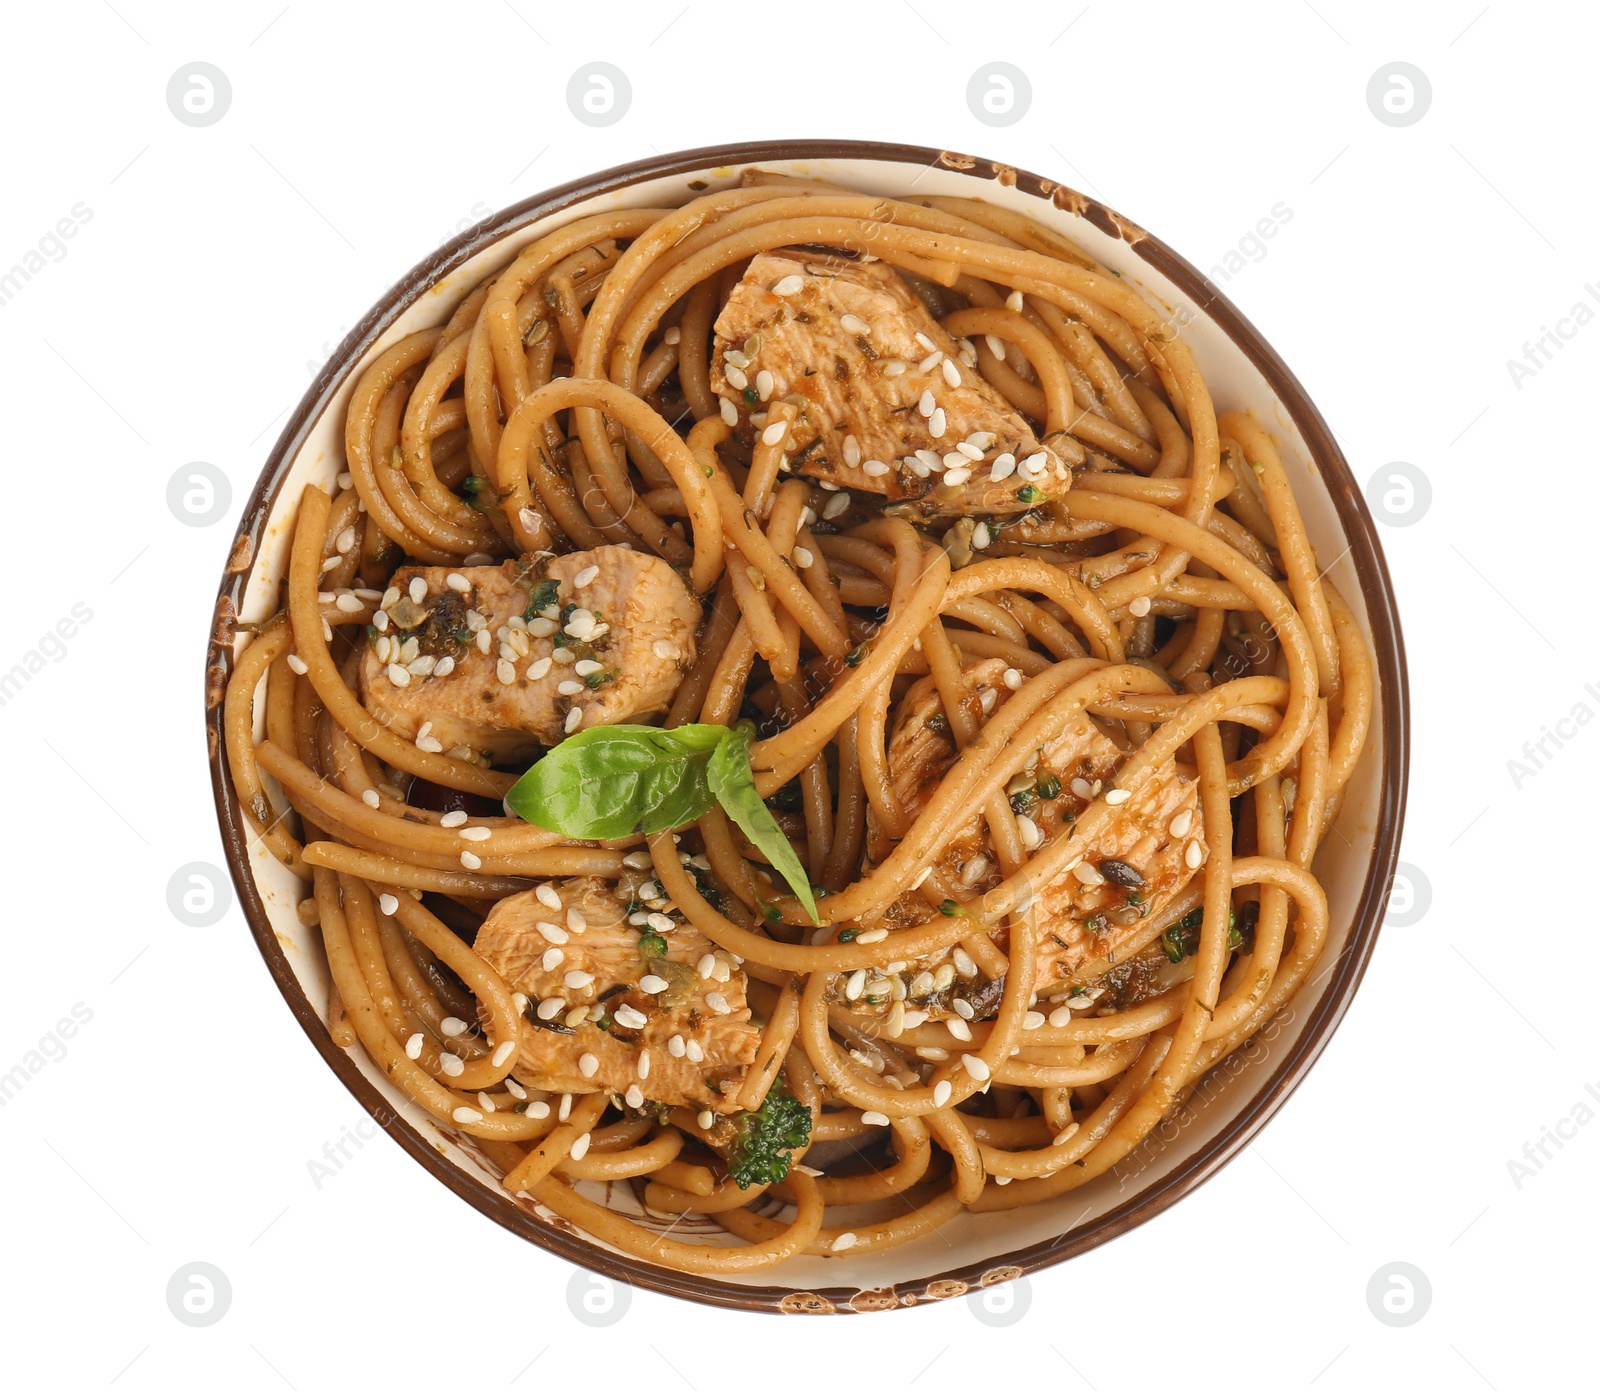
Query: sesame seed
{"x":667,"y":651}
{"x":764,"y":384}
{"x":894,"y":367}
{"x":718,"y":1004}
{"x":1004,"y":466}
{"x":444,"y":666}
{"x":475,"y":833}
{"x":1180,"y":824}
{"x":874,"y":1118}
{"x":852,"y":323}
{"x":942,"y":1089}
{"x":552,"y":958}
{"x":672,"y":335}
{"x":483,"y":641}
{"x":577,"y":980}
{"x":372,"y":799}
{"x":643,"y":1067}
{"x":1080,"y":788}
{"x":959,"y":1028}
{"x":1028,"y":829}
{"x":963,"y":963}
{"x":730,"y":412}
{"x":637,"y":859}
{"x":955,"y":477}
{"x":1140,"y":606}
{"x":570,"y":688}
{"x":630,"y":1018}
{"x":1013,"y":679}
{"x":803,"y":558}
{"x":548,"y":1009}
{"x":875,"y":468}
{"x":987,"y":698}
{"x":1033,"y":466}
{"x":327,"y":631}
{"x":969,"y":451}
{"x":694,"y":1052}
{"x":736,"y":377}
{"x":1117,"y":796}
{"x":854,"y":984}
{"x":465,"y":1115}
{"x":297,"y":666}
{"x":576,"y":922}
{"x":387,"y":904}
{"x":705,"y":1120}
{"x":1033,"y":1020}
{"x":1014,"y":301}
{"x":737,"y":358}
{"x":652,"y":985}
{"x":844,"y":1241}
{"x":952,"y":373}
{"x":789,"y":285}
{"x":418,"y":589}
{"x":706,"y":965}
{"x":633,"y":1096}
{"x":922,"y":877}
{"x":565,"y":1108}
{"x":580,"y":1146}
{"x":547,"y":895}
{"x":932,"y":360}
{"x":976,"y":1068}
{"x":486,"y":1101}
{"x":936,"y":423}
{"x":877,"y":934}
{"x":586,"y":576}
{"x":1192,"y":854}
{"x":414,"y":1047}
{"x":505,"y":671}
{"x":1086,"y":873}
{"x":775,"y":432}
{"x":470,"y":861}
{"x":502,"y":1055}
{"x":574,"y":718}
{"x":1060,"y":1016}
{"x":451,"y":1065}
{"x":460,"y":583}
{"x":925,"y":404}
{"x":452,"y":819}
{"x":675,"y":1045}
{"x":1063,"y":1136}
{"x":588,"y":1064}
{"x":515,"y":1088}
{"x":398,"y":675}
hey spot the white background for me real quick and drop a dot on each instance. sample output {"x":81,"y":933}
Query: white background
{"x":219,"y":267}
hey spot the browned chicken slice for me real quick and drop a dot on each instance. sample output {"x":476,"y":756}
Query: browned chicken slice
{"x":632,"y":1002}
{"x":887,"y":404}
{"x":488,"y":662}
{"x":1129,"y":871}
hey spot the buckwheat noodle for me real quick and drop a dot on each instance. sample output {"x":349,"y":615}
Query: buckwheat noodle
{"x":1172,"y":597}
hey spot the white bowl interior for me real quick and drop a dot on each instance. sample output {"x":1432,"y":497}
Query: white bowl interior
{"x":1342,"y":864}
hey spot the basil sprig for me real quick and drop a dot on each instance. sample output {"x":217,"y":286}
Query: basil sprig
{"x":617,"y":780}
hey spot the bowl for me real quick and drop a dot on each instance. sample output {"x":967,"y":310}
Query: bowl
{"x":1230,"y":1106}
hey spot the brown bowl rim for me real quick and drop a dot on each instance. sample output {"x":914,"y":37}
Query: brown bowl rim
{"x":1377,"y":594}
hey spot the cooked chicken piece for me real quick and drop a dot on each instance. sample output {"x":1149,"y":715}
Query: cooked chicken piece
{"x":1133,"y":867}
{"x":619,"y":1000}
{"x":489,"y":662}
{"x":886,"y":404}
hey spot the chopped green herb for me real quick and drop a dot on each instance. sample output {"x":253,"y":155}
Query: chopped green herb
{"x":853,"y":658}
{"x":596,"y":679}
{"x":652,"y":945}
{"x":951,"y":909}
{"x":1027,"y":493}
{"x":760,"y":1154}
{"x":1048,"y":786}
{"x":849,"y":934}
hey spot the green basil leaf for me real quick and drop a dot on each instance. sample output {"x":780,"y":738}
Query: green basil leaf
{"x":730,"y":779}
{"x":615,"y":780}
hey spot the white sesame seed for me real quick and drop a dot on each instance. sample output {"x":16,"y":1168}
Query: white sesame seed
{"x":837,"y":506}
{"x":1081,"y":788}
{"x":580,"y":1146}
{"x":576,"y":922}
{"x":586,"y":576}
{"x":874,"y":1118}
{"x":451,"y":1065}
{"x":1180,"y":824}
{"x":852,"y":451}
{"x":551,"y":933}
{"x":418,"y":589}
{"x":875,"y":468}
{"x":789,"y":285}
{"x":764,"y":384}
{"x":844,"y":1241}
{"x":465,"y":1115}
{"x":1004,"y":466}
{"x":451,"y":819}
{"x":1033,"y":466}
{"x":959,"y":1028}
{"x":877,"y":934}
{"x":1063,"y":1136}
{"x":444,"y":666}
{"x":925,"y":404}
{"x":922,"y":877}
{"x":1028,"y":829}
{"x":927,"y":343}
{"x":705,"y":1120}
{"x":577,"y":980}
{"x":672,"y":336}
{"x":387,"y":904}
{"x":460,"y":583}
{"x":574,"y":718}
{"x":1139,"y":607}
{"x":675,"y":1045}
{"x":1060,"y":1016}
{"x":941,"y":1091}
{"x":1033,"y":1020}
{"x":963,"y":963}
{"x":894,"y":367}
{"x":854,"y":983}
{"x":853,"y":323}
{"x":736,"y":357}
{"x":515,"y":1088}
{"x":470,"y":861}
{"x":502,"y":1055}
{"x":694,"y":1051}
{"x":1117,"y":796}
{"x":637,"y":859}
{"x":976,"y":1068}
{"x":570,"y":688}
{"x":932,"y":360}
{"x":730,"y":412}
{"x":1192,"y":854}
{"x":955,"y":477}
{"x":548,"y":1009}
{"x":505,"y":671}
{"x":652,"y":985}
{"x":952,"y":373}
{"x":667,"y":651}
{"x":486,"y":1101}
{"x":1013,"y":679}
{"x":803,"y":558}
{"x":936,"y":423}
{"x":1086,"y":873}
{"x":564,"y":1109}
{"x":297,"y":666}
{"x":969,"y":451}
{"x":588,"y":1064}
{"x":643,"y":1066}
{"x":633,"y":1096}
{"x":718,"y":1004}
{"x":1014,"y":301}
{"x":736,"y":377}
{"x":775,"y":432}
{"x":630,"y":1018}
{"x":414,"y":1047}
{"x":372,"y":799}
{"x":483,"y":641}
{"x":475,"y":832}
{"x":987,"y":698}
{"x":327,"y":631}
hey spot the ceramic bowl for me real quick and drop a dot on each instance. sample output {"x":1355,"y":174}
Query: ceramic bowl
{"x":1232,"y":1104}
